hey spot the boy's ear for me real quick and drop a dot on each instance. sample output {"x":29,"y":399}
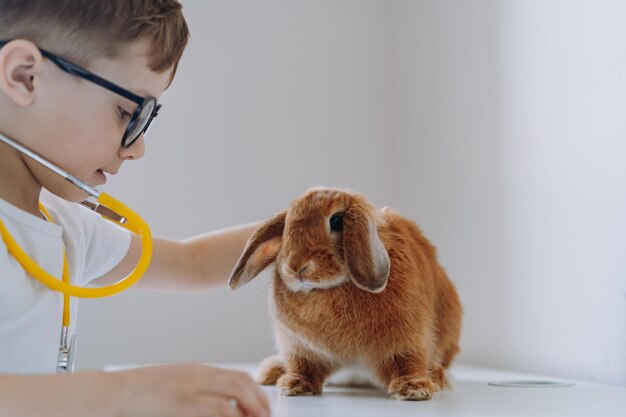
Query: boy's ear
{"x":20,"y":63}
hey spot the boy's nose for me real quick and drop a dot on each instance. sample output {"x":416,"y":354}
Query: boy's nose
{"x":135,"y":151}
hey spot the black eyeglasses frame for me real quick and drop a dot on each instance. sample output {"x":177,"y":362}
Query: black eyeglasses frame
{"x":81,"y":72}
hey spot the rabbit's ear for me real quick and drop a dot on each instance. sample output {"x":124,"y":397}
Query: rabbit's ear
{"x":367,"y":260}
{"x":260,"y":251}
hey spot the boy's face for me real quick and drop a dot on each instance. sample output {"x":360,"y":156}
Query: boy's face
{"x":78,"y":125}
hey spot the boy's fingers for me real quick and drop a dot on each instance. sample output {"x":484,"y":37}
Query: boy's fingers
{"x":260,"y":393}
{"x":241,"y":387}
{"x":218,"y":406}
{"x":252,"y":398}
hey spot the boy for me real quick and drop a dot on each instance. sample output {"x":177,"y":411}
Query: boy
{"x":77,"y":124}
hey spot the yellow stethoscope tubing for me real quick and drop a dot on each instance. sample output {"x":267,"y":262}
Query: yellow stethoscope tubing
{"x":66,"y":273}
{"x":134,"y":224}
{"x":130,"y":221}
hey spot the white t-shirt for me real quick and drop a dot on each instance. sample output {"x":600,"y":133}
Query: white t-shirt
{"x":30,"y":313}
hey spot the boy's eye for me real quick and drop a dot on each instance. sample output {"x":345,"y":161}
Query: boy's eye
{"x":123,"y":113}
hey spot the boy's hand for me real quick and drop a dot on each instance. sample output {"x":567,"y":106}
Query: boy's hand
{"x":189,"y":390}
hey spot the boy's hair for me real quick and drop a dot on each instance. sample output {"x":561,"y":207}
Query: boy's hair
{"x":81,"y":30}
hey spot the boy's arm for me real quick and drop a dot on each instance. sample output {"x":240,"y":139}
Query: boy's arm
{"x":87,"y":394}
{"x":171,"y":390}
{"x":197,"y":263}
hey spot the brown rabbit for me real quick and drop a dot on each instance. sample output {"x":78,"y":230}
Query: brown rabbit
{"x":353,"y":287}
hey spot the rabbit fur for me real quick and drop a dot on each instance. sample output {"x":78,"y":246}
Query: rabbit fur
{"x":353,"y":286}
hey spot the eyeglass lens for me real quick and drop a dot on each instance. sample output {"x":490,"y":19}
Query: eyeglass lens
{"x":139,"y":124}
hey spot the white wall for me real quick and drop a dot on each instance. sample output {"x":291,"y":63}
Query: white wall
{"x":564,"y":165}
{"x":511,"y":123}
{"x":499,"y":126}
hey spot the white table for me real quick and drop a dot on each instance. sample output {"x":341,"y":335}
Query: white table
{"x":471,"y":396}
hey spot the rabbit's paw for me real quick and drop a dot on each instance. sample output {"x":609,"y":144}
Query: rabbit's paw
{"x":438,"y":374}
{"x":270,"y":370}
{"x":411,"y":387}
{"x":292,"y":384}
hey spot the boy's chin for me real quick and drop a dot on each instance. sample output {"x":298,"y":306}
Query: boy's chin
{"x":76,"y":196}
{"x":69,"y":193}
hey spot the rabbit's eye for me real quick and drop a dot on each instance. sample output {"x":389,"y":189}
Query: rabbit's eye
{"x":336,"y":223}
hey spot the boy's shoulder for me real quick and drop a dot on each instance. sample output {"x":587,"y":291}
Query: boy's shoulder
{"x":93,"y":246}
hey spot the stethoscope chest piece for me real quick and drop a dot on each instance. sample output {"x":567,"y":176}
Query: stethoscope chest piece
{"x":67,"y":357}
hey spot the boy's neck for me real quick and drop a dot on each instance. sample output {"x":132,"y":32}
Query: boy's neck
{"x":18,"y":186}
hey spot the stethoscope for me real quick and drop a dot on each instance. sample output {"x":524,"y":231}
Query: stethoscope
{"x":109,"y":208}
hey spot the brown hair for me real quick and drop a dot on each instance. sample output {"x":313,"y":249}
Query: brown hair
{"x":81,"y":30}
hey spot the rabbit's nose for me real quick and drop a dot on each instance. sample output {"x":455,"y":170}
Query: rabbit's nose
{"x":307,"y":267}
{"x":303,"y":269}
{"x":299,"y":271}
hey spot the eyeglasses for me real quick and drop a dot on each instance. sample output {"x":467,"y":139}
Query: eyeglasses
{"x":147,"y":107}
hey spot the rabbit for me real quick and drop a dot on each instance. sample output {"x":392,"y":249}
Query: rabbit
{"x":353,"y":286}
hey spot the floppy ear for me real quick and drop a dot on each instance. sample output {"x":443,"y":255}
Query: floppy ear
{"x":366,"y":257}
{"x":260,"y":251}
